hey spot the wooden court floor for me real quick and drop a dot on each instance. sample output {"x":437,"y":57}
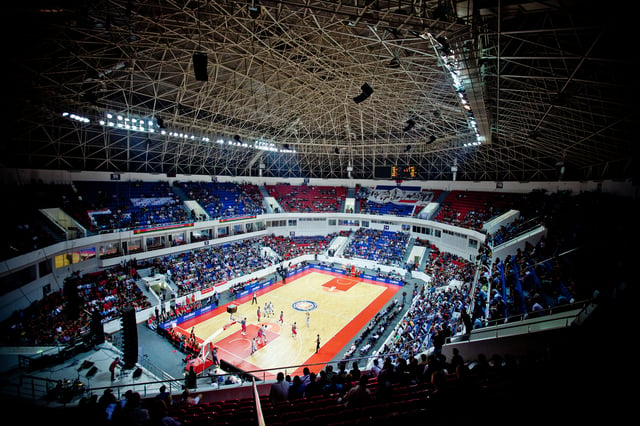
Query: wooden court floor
{"x":339,"y":307}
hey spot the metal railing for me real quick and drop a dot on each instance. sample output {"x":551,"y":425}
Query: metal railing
{"x":68,"y":392}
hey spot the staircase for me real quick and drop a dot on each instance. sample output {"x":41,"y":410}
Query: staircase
{"x":443,"y":195}
{"x":407,"y":252}
{"x":270,"y":203}
{"x":180,"y":193}
{"x":423,"y":262}
{"x":264,"y":191}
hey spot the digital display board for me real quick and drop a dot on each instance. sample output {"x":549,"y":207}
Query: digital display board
{"x":395,"y":172}
{"x":382,"y":172}
{"x":403,"y":172}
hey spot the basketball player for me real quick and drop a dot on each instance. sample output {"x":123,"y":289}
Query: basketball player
{"x":216,"y":361}
{"x":258,"y":313}
{"x":253,"y":346}
{"x":294,"y":330}
{"x":259,"y":336}
{"x":243,"y":323}
{"x":308,"y":319}
{"x":317,"y":343}
{"x":281,"y":317}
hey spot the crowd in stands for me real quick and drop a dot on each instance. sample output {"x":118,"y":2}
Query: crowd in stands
{"x":44,"y":322}
{"x":53,"y":320}
{"x":509,"y":231}
{"x":435,"y":314}
{"x":472,"y":209}
{"x":308,"y":198}
{"x":372,"y":207}
{"x":199,"y":269}
{"x":444,"y":267}
{"x":432,"y":389}
{"x":225,"y":199}
{"x":25,"y":227}
{"x":115,"y":205}
{"x":106,"y":292}
{"x":291,"y":247}
{"x":370,"y":336}
{"x":179,"y":309}
{"x":383,"y":247}
{"x":547,"y":273}
{"x":238,"y":287}
{"x":528,"y":282}
{"x":187,"y":344}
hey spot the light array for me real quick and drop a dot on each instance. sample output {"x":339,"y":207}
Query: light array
{"x":453,"y":65}
{"x":136,"y":124}
{"x":140,"y":124}
{"x":76,"y":117}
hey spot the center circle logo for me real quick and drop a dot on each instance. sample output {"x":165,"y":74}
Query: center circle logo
{"x":304,"y":305}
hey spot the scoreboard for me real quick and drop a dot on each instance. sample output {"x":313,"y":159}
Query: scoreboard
{"x":395,"y":172}
{"x":403,"y":172}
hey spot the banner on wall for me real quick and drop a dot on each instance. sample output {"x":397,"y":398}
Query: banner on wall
{"x":151,"y":202}
{"x":163,"y":228}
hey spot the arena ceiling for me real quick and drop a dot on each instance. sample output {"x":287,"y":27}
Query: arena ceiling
{"x":510,"y":90}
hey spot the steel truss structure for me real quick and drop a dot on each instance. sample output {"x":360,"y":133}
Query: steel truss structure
{"x":510,"y":90}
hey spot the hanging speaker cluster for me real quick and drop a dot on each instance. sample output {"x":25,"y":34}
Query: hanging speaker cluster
{"x":97,"y":329}
{"x":366,"y":92}
{"x":129,"y":337}
{"x":410,"y":124}
{"x":200,"y":66}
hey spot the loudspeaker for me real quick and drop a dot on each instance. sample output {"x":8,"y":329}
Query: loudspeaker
{"x":409,"y":126}
{"x":366,"y":92}
{"x":85,"y":364}
{"x":93,"y":370}
{"x":137,"y":373}
{"x":73,"y":299}
{"x":200,"y":66}
{"x":129,"y":337}
{"x":97,"y":329}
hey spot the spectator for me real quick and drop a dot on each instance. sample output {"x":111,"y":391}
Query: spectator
{"x":189,"y":399}
{"x":355,"y":371}
{"x":456,"y":360}
{"x":165,"y":396}
{"x":313,"y":388}
{"x":296,"y":389}
{"x":191,"y":379}
{"x":133,"y":414}
{"x":279,"y":391}
{"x":375,"y":368}
{"x":359,"y":395}
{"x":159,"y":414}
{"x":386,"y":378}
{"x":306,"y":376}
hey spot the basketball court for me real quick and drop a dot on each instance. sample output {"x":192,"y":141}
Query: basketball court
{"x":339,"y":307}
